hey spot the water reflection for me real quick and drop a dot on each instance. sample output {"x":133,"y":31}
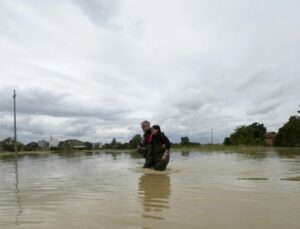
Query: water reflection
{"x":255,"y":155}
{"x":288,"y":153}
{"x":185,"y":153}
{"x":154,"y":193}
{"x":88,"y":153}
{"x":84,"y":188}
{"x":17,"y":193}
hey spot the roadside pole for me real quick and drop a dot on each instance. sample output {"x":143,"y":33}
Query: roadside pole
{"x":15,"y":125}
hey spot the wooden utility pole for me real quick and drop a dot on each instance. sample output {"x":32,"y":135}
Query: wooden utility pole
{"x":15,"y":124}
{"x":212,"y":136}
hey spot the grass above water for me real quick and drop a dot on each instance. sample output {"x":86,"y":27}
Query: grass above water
{"x":201,"y":148}
{"x":238,"y":149}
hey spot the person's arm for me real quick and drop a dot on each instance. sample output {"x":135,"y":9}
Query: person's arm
{"x":166,"y":141}
{"x":167,"y":144}
{"x":142,"y":146}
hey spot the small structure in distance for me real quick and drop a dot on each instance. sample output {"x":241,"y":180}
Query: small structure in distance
{"x":270,"y":138}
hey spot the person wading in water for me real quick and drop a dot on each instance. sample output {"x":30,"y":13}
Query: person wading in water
{"x":155,"y":147}
{"x":145,"y":147}
{"x":160,"y":148}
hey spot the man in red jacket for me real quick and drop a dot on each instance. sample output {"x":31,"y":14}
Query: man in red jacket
{"x":145,"y":147}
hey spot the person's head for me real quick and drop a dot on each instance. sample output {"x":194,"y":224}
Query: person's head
{"x":145,"y":125}
{"x":155,"y":129}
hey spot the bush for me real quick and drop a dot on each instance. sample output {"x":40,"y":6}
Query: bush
{"x":289,"y":134}
{"x":247,"y":135}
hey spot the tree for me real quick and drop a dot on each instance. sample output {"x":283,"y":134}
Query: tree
{"x":114,"y":145}
{"x":135,"y":141}
{"x":88,"y":145}
{"x":114,"y":142}
{"x":31,"y":146}
{"x":227,"y":141}
{"x":247,"y":135}
{"x":259,"y":130}
{"x":64,"y":146}
{"x":185,"y":140}
{"x":289,"y":133}
{"x":8,"y":145}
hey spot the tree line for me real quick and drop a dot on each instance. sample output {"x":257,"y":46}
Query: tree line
{"x":288,"y":135}
{"x":72,"y":144}
{"x":254,"y":134}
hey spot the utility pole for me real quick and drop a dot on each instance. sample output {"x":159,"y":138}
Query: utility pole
{"x":15,"y":124}
{"x":212,"y":136}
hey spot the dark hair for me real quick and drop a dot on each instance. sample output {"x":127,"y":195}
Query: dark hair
{"x":145,"y":122}
{"x":156,"y":127}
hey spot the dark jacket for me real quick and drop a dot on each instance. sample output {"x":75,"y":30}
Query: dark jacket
{"x":161,"y":139}
{"x":157,"y":143}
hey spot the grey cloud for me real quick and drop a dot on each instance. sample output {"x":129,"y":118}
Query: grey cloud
{"x":254,"y":81}
{"x":100,"y":12}
{"x":263,"y":108}
{"x":45,"y":102}
{"x":95,"y":69}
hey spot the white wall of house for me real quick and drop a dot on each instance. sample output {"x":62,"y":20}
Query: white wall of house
{"x":53,"y":142}
{"x":43,"y":144}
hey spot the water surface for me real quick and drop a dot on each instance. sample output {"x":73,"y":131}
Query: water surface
{"x":111,"y":190}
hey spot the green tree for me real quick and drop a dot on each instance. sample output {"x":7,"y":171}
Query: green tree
{"x":289,"y":133}
{"x":64,"y":146}
{"x":185,"y":140}
{"x":8,"y":145}
{"x":31,"y":146}
{"x":227,"y":141}
{"x":247,"y":135}
{"x":135,"y":141}
{"x":88,"y":145}
{"x":114,"y":142}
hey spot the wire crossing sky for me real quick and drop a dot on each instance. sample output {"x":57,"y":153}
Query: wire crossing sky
{"x":94,"y":70}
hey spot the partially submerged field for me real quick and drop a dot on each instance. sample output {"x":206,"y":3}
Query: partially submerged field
{"x":202,"y":148}
{"x":242,"y":186}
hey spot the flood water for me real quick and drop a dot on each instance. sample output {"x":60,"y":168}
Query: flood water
{"x":110,"y":190}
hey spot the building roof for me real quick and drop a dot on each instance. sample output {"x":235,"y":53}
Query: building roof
{"x":270,"y":134}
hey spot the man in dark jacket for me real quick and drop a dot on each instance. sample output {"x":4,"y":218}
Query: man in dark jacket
{"x":145,"y":147}
{"x":160,"y":149}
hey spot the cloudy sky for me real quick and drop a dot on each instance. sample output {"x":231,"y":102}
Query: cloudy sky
{"x":93,"y":69}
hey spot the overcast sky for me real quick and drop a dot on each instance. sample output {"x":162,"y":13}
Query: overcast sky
{"x":94,"y":70}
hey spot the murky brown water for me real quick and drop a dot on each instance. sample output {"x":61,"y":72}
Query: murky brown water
{"x":110,"y":190}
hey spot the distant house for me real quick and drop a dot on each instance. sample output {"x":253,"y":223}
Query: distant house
{"x":43,"y":144}
{"x":31,"y":146}
{"x":97,"y":145}
{"x":269,"y":138}
{"x":78,"y":147}
{"x":53,"y":142}
{"x":71,"y":144}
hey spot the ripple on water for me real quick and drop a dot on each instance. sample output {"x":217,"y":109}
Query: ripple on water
{"x":253,"y":178}
{"x":168,"y":171}
{"x":291,"y":178}
{"x":198,"y":190}
{"x":154,"y":192}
